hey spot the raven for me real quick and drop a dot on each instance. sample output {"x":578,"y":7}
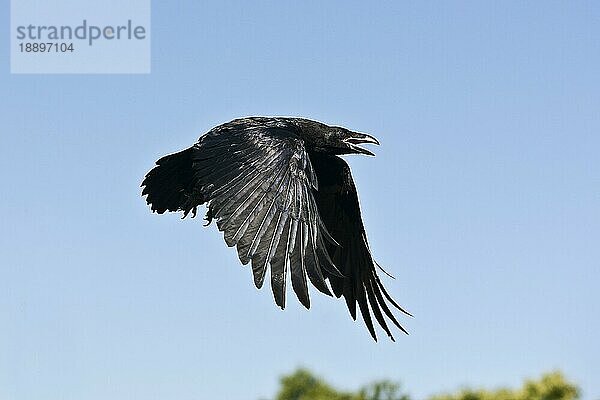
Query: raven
{"x":279,"y":192}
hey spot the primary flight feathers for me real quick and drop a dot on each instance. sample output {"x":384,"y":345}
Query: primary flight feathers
{"x":282,"y":196}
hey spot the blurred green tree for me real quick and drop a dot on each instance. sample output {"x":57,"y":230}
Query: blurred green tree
{"x":304,"y":385}
{"x":382,"y":390}
{"x":551,"y":386}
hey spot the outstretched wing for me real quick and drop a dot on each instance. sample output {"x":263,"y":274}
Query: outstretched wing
{"x":258,"y":183}
{"x":337,"y":201}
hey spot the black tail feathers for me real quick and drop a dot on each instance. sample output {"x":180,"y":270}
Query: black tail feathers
{"x":170,"y":184}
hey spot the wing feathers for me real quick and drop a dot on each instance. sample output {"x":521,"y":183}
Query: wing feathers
{"x":260,"y":191}
{"x":280,"y":260}
{"x":338,"y":205}
{"x":269,"y":212}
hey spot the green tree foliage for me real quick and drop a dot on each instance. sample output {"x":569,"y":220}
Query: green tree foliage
{"x":552,"y":386}
{"x":304,"y":385}
{"x":382,"y":390}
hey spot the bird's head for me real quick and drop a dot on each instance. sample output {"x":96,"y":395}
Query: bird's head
{"x":337,"y":140}
{"x":347,"y":142}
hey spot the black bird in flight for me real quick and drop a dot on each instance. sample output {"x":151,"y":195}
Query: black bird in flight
{"x":279,"y":192}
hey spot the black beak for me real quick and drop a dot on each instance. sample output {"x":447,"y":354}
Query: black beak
{"x":360,"y":138}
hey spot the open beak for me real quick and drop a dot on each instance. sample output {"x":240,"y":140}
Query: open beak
{"x":360,"y":138}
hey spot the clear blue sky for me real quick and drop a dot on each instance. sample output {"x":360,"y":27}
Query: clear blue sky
{"x":483,"y":200}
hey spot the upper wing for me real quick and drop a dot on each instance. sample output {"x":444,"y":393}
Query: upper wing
{"x":258,"y":184}
{"x":338,"y":205}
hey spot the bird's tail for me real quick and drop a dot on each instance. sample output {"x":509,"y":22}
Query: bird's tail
{"x":170,"y":184}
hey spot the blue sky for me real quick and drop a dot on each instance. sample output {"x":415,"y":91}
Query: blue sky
{"x":483,"y":200}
